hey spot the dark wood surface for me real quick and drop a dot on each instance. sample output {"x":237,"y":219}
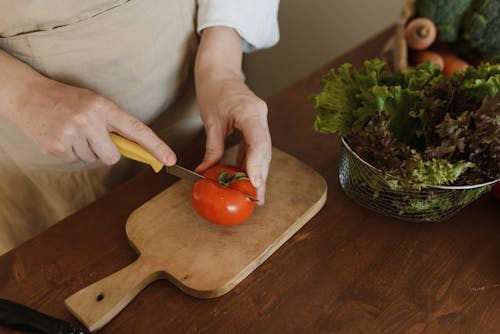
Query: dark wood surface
{"x":348,"y":270}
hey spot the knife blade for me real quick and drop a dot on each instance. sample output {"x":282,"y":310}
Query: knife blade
{"x":136,"y":152}
{"x":20,"y":317}
{"x":183,"y":173}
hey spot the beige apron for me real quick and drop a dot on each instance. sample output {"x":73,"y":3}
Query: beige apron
{"x":137,"y":53}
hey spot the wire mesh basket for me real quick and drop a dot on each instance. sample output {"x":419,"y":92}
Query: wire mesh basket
{"x":380,"y":192}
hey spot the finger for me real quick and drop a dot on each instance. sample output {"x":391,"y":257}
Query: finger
{"x":135,"y":130}
{"x":69,"y":157}
{"x":257,"y":170}
{"x":99,"y":142}
{"x":104,"y":148}
{"x":242,"y":152}
{"x":60,"y":149}
{"x":258,"y":150}
{"x":258,"y":157}
{"x":63,"y":153}
{"x":214,"y":147}
{"x":261,"y":191}
{"x":83,"y":151}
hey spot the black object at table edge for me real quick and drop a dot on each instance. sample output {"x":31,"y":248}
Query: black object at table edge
{"x":20,"y":317}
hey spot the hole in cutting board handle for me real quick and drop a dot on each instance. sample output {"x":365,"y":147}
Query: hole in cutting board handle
{"x":100,"y":297}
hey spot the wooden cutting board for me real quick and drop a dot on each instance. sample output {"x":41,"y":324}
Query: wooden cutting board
{"x":202,"y":259}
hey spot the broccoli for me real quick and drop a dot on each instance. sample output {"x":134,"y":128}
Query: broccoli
{"x":481,"y":29}
{"x":447,"y":15}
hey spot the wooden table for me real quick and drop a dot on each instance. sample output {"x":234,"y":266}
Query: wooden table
{"x":349,"y":270}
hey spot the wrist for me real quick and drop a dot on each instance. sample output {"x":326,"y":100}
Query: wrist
{"x":219,"y":54}
{"x":29,"y":92}
{"x":17,"y":84}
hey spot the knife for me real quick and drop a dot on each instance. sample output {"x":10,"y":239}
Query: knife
{"x":136,"y":152}
{"x":20,"y":317}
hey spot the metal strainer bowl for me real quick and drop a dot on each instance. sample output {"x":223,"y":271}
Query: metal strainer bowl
{"x":373,"y":189}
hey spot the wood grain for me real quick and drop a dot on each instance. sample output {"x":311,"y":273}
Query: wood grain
{"x":202,"y":259}
{"x":348,"y":270}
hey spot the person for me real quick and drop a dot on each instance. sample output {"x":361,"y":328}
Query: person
{"x":154,"y":71}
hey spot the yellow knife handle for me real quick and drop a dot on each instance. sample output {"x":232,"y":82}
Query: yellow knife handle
{"x":135,"y":151}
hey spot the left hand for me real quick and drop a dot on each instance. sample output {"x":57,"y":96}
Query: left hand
{"x":227,"y":104}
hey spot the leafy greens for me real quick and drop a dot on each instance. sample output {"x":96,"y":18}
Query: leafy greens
{"x":416,"y":124}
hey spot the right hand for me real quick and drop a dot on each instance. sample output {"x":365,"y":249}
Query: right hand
{"x":73,"y":124}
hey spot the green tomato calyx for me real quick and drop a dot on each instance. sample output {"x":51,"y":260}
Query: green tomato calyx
{"x":225,"y":180}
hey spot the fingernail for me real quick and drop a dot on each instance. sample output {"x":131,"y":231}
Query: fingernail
{"x":170,"y":159}
{"x":260,"y":196}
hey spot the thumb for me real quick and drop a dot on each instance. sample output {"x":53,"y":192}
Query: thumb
{"x":214,"y":147}
{"x":257,"y":168}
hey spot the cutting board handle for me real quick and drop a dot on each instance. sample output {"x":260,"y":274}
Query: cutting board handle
{"x":98,"y":303}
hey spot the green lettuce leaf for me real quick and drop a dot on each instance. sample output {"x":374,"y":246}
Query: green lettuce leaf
{"x":416,"y":125}
{"x":437,"y":172}
{"x":344,"y":100}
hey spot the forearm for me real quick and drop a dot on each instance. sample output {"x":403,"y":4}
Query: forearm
{"x":15,"y":80}
{"x":219,"y":54}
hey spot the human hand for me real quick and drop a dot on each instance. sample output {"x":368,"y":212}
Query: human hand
{"x":227,"y":104}
{"x":73,"y":124}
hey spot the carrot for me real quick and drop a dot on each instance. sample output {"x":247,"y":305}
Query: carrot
{"x":425,"y":56}
{"x":420,"y":33}
{"x":452,"y":64}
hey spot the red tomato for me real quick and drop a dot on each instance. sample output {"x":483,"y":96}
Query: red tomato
{"x":220,"y":198}
{"x":496,"y":190}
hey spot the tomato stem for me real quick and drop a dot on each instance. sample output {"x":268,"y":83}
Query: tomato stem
{"x":226,"y":180}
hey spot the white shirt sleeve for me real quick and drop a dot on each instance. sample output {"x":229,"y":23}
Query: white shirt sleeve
{"x":256,"y":21}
